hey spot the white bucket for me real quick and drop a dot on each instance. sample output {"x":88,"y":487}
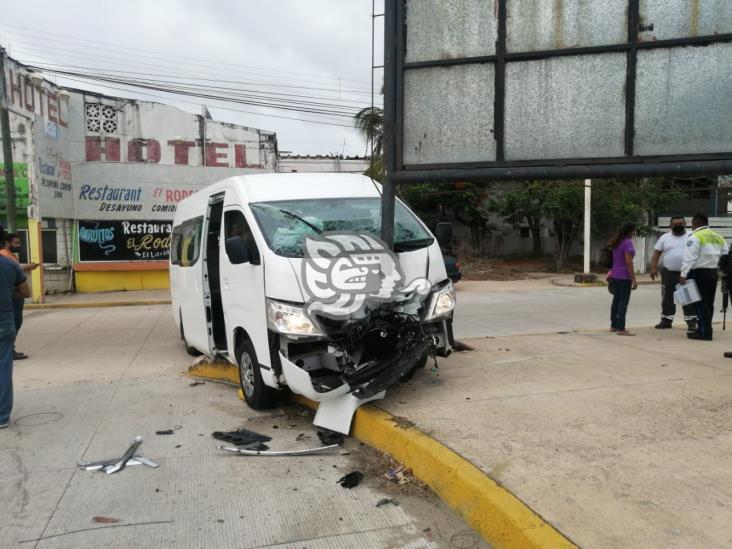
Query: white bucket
{"x":687,"y":293}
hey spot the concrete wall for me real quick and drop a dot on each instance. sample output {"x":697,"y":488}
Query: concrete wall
{"x":58,"y":131}
{"x":327,"y":164}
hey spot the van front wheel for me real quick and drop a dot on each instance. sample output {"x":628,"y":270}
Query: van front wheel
{"x":257,"y":395}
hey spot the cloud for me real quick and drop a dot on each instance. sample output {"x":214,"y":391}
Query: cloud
{"x":313,"y":43}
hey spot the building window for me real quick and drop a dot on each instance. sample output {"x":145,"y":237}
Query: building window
{"x":50,"y":251}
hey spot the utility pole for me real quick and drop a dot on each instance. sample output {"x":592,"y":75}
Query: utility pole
{"x":7,"y":147}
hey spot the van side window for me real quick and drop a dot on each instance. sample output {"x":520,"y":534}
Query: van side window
{"x":185,"y":247}
{"x":235,"y":224}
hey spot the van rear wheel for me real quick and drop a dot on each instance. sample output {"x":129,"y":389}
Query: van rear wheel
{"x":256,"y":394}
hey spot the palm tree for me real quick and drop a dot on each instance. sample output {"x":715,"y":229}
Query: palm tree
{"x":370,"y":120}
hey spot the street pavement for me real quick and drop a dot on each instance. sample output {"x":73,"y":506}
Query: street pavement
{"x":616,"y":441}
{"x":539,"y":306}
{"x":99,"y":377}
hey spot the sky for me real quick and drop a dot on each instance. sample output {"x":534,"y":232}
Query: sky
{"x":281,"y":49}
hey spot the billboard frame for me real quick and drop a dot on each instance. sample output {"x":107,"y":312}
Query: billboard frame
{"x":628,"y":165}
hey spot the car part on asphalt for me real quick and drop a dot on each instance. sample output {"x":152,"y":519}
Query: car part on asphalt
{"x":241,"y":437}
{"x":122,"y":463}
{"x":327,"y":437}
{"x":385,"y":501}
{"x":274,"y":453}
{"x":134,"y":460}
{"x":351,"y":480}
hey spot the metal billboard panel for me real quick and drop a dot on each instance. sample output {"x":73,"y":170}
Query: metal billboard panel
{"x":469,"y":36}
{"x":665,"y":19}
{"x":512,"y":89}
{"x":684,"y":101}
{"x":461,"y":129}
{"x":535,"y":25}
{"x":585,"y":117}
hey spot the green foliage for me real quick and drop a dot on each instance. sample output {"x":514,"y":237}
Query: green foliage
{"x":561,"y":203}
{"x":461,"y":202}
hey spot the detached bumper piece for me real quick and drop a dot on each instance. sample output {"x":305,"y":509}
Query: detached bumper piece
{"x":377,"y":376}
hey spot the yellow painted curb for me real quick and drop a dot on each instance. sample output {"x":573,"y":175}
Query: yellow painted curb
{"x":215,"y":371}
{"x":494,"y":512}
{"x":97,"y":304}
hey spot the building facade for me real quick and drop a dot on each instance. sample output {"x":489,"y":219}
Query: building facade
{"x":98,"y":179}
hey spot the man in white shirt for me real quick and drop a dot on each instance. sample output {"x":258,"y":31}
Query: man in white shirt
{"x":670,"y":250}
{"x":701,"y":257}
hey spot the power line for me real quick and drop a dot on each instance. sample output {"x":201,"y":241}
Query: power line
{"x":151,"y":54}
{"x":292,"y":106}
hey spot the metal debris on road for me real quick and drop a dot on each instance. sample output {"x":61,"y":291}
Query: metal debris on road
{"x":275,"y":453}
{"x":169,"y":431}
{"x":385,"y":501}
{"x":193,"y":384}
{"x":351,"y":480}
{"x":114,"y":465}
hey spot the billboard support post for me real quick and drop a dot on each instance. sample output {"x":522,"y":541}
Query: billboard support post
{"x":588,"y":210}
{"x":390,"y":115}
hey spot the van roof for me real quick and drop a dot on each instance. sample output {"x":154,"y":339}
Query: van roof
{"x":296,"y":186}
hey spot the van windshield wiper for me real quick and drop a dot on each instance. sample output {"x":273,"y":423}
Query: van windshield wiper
{"x":293,"y":215}
{"x":406,"y":245}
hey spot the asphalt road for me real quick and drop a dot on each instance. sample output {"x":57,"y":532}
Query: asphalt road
{"x":99,"y":377}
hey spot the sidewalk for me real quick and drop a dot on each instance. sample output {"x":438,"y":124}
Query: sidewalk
{"x":615,"y":441}
{"x":103,"y":299}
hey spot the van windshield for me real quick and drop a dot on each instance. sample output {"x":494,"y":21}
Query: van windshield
{"x":285,"y":223}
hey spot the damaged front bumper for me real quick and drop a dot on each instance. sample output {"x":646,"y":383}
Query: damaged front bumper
{"x":351,"y":362}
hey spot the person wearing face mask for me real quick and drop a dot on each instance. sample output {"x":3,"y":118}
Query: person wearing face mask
{"x":671,"y":247}
{"x":10,"y":250}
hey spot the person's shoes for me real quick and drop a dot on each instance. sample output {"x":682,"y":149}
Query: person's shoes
{"x":613,"y":329}
{"x":664,"y":324}
{"x":4,"y":425}
{"x":697,"y":335}
{"x":692,"y":326}
{"x":624,"y":333}
{"x":19,"y":356}
{"x":728,"y":354}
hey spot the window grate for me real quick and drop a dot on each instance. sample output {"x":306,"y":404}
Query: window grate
{"x":100,"y":118}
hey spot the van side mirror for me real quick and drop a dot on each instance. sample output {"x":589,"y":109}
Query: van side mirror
{"x":443,"y":232}
{"x":238,"y":250}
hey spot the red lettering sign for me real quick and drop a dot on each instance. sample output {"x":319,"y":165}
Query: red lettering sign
{"x":180,"y":150}
{"x":143,"y":150}
{"x":95,"y":149}
{"x":213,"y":156}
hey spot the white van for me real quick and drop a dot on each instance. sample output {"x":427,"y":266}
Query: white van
{"x":240,"y":278}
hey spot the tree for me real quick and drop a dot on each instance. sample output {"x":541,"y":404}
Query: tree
{"x":370,"y":121}
{"x":461,"y":202}
{"x":523,"y":205}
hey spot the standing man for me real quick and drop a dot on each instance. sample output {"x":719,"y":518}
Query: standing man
{"x":10,"y":249}
{"x":672,"y":246}
{"x":703,"y":249}
{"x":13,"y":284}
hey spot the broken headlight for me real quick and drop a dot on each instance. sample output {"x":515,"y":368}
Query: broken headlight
{"x":290,"y":320}
{"x":441,"y":303}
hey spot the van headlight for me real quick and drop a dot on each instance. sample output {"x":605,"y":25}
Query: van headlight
{"x":442,"y":302}
{"x":290,"y":319}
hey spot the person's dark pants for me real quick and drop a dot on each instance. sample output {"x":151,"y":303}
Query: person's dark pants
{"x":18,"y":314}
{"x":621,"y":298}
{"x":669,"y":280}
{"x":7,"y":337}
{"x":706,"y":282}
